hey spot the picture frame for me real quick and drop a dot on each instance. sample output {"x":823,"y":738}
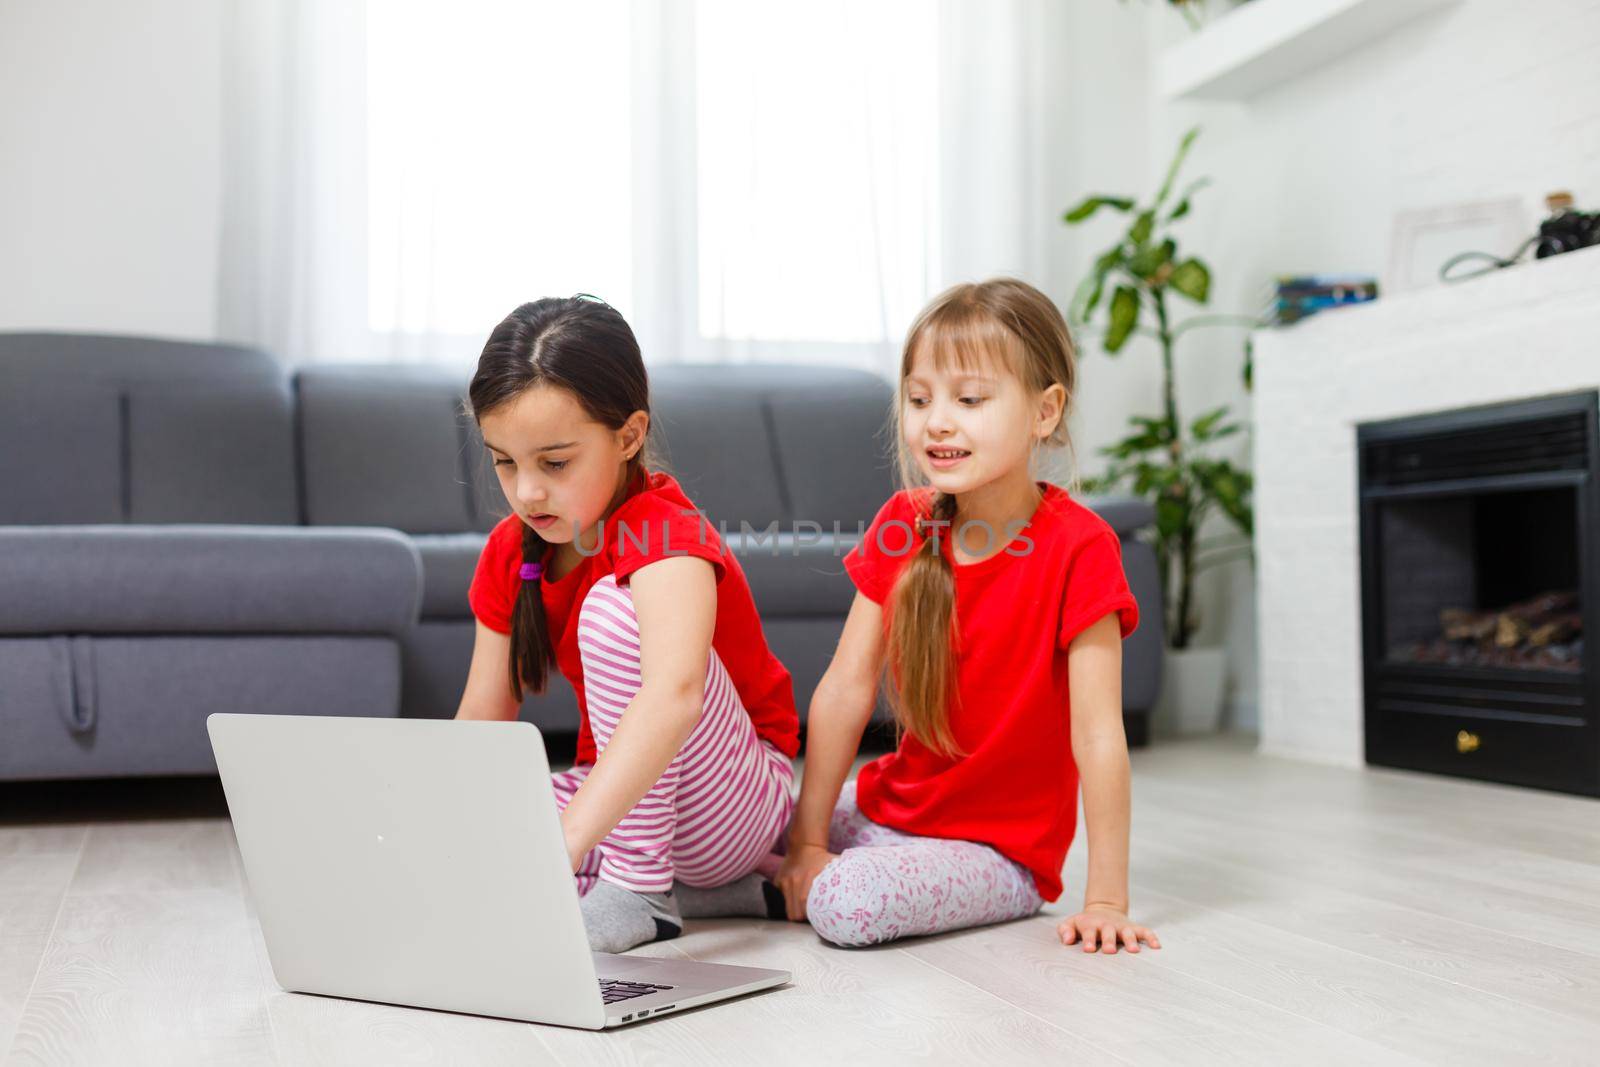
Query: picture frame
{"x":1423,"y":240}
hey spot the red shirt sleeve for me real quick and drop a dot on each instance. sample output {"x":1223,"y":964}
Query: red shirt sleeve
{"x":648,"y":528}
{"x":874,"y":564}
{"x":493,"y":592}
{"x":1096,"y":586}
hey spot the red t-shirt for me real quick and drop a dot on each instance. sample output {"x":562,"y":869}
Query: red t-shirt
{"x":1016,"y":789}
{"x":657,"y":521}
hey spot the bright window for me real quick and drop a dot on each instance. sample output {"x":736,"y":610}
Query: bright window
{"x":817,"y":168}
{"x":499,"y":163}
{"x":502,"y":164}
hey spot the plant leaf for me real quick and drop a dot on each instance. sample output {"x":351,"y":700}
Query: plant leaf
{"x":1094,"y":203}
{"x":1124,"y":316}
{"x":1201,"y":427}
{"x":1088,"y":289}
{"x":1188,"y":195}
{"x":1177,"y":162}
{"x":1230,"y":488}
{"x":1153,"y":435}
{"x":1139,"y":232}
{"x":1170,"y":515}
{"x":1149,"y":260}
{"x":1149,"y":478}
{"x":1102,"y":268}
{"x":1192,"y":279}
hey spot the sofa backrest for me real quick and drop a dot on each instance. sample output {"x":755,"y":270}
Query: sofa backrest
{"x":390,"y":445}
{"x":764,"y":443}
{"x":100,"y":429}
{"x":108,"y":429}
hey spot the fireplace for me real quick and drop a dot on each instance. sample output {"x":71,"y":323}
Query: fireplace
{"x":1480,"y":587}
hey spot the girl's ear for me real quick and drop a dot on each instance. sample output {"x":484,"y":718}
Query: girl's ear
{"x":1052,"y":402}
{"x":632,"y":434}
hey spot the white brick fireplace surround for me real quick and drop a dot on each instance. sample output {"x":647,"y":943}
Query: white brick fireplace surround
{"x":1528,"y":331}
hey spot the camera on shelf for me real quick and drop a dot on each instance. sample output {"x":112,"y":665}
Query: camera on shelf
{"x":1566,"y":229}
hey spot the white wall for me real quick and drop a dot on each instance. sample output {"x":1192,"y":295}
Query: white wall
{"x":1097,"y":142}
{"x":110,"y":181}
{"x":1480,"y":100}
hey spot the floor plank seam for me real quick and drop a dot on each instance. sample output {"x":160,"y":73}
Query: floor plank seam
{"x":44,"y":952}
{"x":257,"y":947}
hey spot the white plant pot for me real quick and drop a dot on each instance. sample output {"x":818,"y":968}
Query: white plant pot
{"x":1191,"y":692}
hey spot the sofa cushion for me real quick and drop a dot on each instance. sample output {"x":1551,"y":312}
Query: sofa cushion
{"x":835,"y":444}
{"x":84,"y":707}
{"x":390,"y":446}
{"x":448,"y":562}
{"x":218,"y":452}
{"x":60,"y":450}
{"x":122,"y":359}
{"x":797,"y":575}
{"x":753,"y":443}
{"x":206,"y":579}
{"x":96,"y":428}
{"x":711,"y":431}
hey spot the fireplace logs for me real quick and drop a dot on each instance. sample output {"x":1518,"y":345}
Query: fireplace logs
{"x":1544,"y":632}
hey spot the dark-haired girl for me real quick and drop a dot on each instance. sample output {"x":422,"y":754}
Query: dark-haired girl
{"x":998,"y":604}
{"x":605,"y":571}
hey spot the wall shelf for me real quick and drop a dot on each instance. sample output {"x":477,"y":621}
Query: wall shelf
{"x":1260,"y":44}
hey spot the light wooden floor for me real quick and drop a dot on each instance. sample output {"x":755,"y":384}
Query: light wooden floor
{"x":1310,"y":915}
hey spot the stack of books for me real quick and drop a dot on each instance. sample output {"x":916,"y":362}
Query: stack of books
{"x":1303,"y":296}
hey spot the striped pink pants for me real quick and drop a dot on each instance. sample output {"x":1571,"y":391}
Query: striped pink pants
{"x":722,"y":802}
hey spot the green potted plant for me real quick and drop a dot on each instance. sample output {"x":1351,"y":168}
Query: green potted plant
{"x":1171,"y":462}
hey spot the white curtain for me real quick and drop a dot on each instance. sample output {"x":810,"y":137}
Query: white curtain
{"x":744,"y":180}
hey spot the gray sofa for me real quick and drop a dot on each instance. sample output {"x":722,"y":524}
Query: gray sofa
{"x":188,"y":528}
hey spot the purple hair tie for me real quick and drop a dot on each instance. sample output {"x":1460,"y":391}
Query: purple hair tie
{"x":530,"y":572}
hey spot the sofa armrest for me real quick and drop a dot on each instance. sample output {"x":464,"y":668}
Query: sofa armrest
{"x":207,"y":579}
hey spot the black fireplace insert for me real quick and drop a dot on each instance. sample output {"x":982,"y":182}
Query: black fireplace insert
{"x":1480,"y":584}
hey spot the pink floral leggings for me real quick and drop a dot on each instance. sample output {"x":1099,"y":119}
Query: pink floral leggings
{"x":887,"y":885}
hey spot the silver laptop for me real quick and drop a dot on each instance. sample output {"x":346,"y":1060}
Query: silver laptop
{"x":421,"y":862}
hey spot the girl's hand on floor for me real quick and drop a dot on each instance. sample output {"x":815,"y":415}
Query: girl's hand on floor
{"x":800,"y":868}
{"x":1104,"y":927}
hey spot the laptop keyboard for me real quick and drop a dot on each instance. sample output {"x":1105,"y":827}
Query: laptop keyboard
{"x":614,"y":989}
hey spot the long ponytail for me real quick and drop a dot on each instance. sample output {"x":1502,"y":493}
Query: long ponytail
{"x":922,"y":635}
{"x":532,"y":652}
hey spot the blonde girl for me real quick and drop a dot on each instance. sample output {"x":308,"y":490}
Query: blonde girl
{"x":995,"y":604}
